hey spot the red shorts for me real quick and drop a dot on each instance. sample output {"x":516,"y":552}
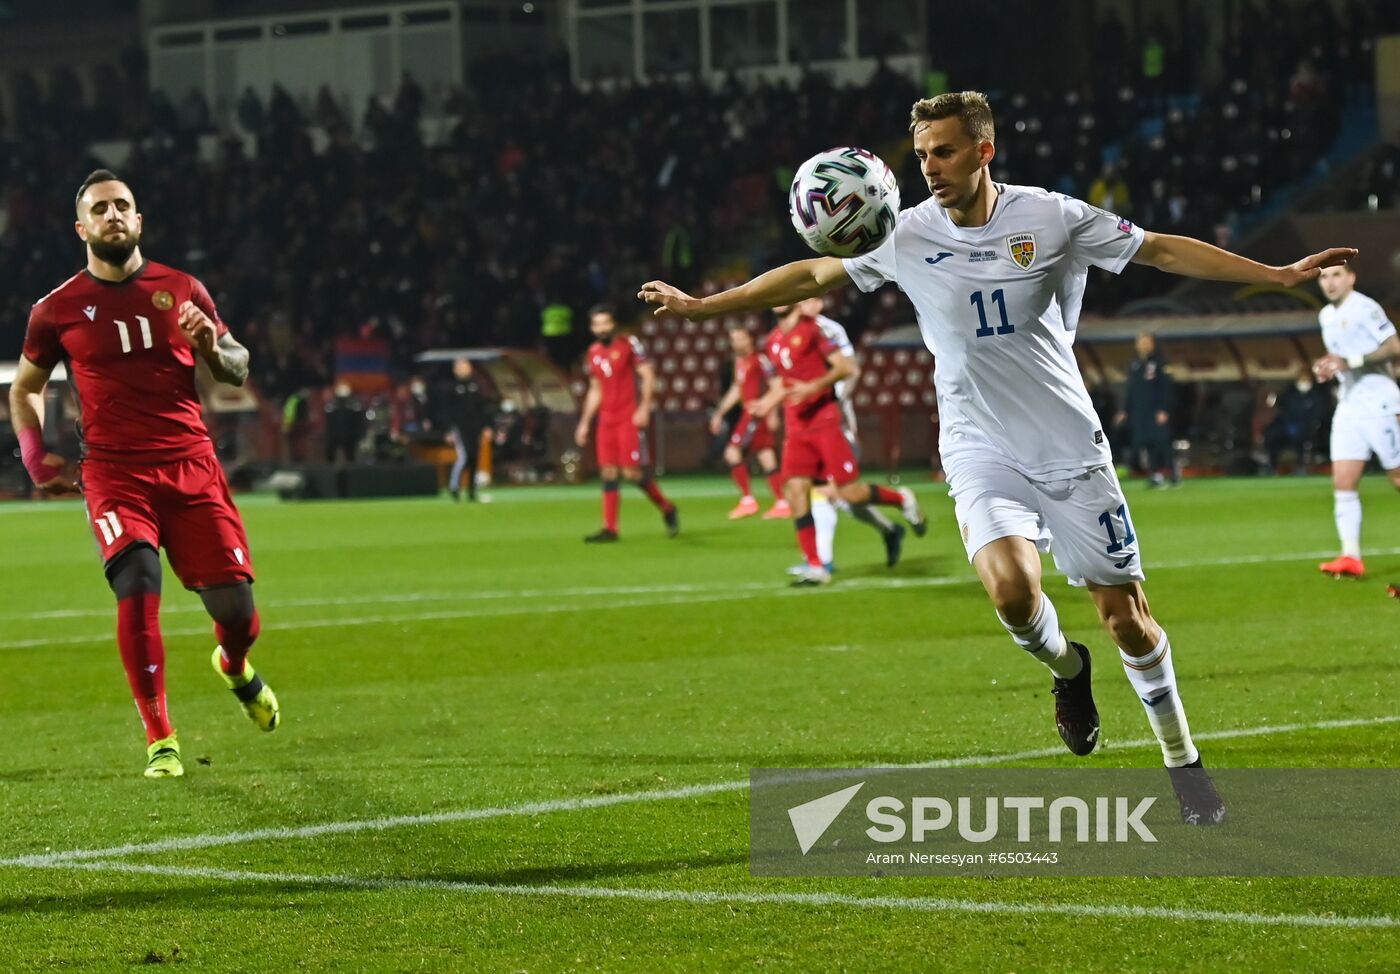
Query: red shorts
{"x":751,"y":433}
{"x":621,"y":444}
{"x":182,"y":506}
{"x":818,"y":454}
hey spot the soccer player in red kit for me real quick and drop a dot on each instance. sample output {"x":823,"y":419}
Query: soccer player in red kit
{"x":130,"y":331}
{"x":815,"y":448}
{"x":751,"y":434}
{"x":617,"y":367}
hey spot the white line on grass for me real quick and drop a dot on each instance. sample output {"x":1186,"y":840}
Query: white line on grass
{"x":920,"y":904}
{"x":210,"y":840}
{"x":680,"y":594}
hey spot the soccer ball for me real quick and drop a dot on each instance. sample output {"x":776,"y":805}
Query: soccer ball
{"x":844,"y":202}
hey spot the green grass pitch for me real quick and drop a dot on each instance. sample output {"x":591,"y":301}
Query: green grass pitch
{"x":510,"y":720}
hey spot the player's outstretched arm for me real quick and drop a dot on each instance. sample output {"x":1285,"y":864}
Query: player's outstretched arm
{"x":27,"y":416}
{"x":1196,"y":258}
{"x":777,"y":288}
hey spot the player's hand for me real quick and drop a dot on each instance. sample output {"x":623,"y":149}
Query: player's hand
{"x":802,"y":392}
{"x":1162,"y":417}
{"x":1328,"y":366}
{"x":641,"y":418}
{"x":63,"y":482}
{"x":581,"y":434}
{"x":716,"y":424}
{"x":672,"y":299}
{"x":1307,"y":269}
{"x":198,"y":329}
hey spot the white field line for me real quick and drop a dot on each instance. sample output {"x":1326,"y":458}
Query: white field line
{"x":530,"y":809}
{"x":682,"y":594}
{"x":920,"y":904}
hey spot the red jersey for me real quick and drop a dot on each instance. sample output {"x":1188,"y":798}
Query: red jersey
{"x":800,"y":355}
{"x":130,"y":367}
{"x":751,"y":374}
{"x":614,"y":365}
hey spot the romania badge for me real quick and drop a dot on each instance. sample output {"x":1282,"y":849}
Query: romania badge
{"x":1022,"y":247}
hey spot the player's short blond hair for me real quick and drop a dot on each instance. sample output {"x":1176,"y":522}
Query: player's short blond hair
{"x":969,"y":107}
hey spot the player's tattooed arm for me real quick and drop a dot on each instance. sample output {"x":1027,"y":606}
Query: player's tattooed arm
{"x":228,"y":362}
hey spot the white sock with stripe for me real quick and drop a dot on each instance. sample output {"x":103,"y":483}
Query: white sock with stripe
{"x":1154,"y":680}
{"x":1042,"y":638}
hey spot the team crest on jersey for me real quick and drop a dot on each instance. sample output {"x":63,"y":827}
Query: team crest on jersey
{"x":796,"y":340}
{"x":163,"y":300}
{"x":1022,"y":248}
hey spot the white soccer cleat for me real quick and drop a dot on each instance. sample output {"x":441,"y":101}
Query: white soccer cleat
{"x":913,"y":513}
{"x":811,"y":575}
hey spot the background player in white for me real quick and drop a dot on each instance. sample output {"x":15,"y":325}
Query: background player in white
{"x":996,"y":274}
{"x":1361,"y":343}
{"x":826,"y":500}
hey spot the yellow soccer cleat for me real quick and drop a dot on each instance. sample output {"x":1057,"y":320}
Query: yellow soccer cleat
{"x":257,"y":698}
{"x":163,"y":758}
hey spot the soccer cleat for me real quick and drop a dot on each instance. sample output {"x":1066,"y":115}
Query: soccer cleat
{"x":1344,"y":566}
{"x":1076,"y":717}
{"x":802,"y":566}
{"x":778,"y":512}
{"x":894,"y":544}
{"x":673,"y":522}
{"x":747,"y":507}
{"x":1393,"y":591}
{"x":163,"y":758}
{"x":812,"y":575}
{"x":602,"y":537}
{"x":257,"y":698}
{"x":913,"y":513}
{"x":1200,"y":803}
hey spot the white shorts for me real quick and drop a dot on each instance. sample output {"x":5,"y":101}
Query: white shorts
{"x":1083,"y":521}
{"x":1360,"y":430}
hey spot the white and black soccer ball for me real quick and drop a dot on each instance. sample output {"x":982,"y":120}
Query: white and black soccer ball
{"x":844,"y":202}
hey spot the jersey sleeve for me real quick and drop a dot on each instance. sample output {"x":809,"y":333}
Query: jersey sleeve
{"x":41,"y":344}
{"x":639,"y":353}
{"x":1376,"y":322}
{"x":199,"y":294}
{"x":823,"y":342}
{"x":1098,"y":237}
{"x":875,"y":269}
{"x":836,"y":333}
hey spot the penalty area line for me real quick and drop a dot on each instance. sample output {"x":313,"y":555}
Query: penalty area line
{"x":919,"y":904}
{"x":580,"y":804}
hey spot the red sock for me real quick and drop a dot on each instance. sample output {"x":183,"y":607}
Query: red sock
{"x":143,"y":656}
{"x":654,"y":493}
{"x":807,"y":539}
{"x":740,"y":473}
{"x":883,"y":495}
{"x":775,"y":483}
{"x":237,"y":638}
{"x":610,"y":504}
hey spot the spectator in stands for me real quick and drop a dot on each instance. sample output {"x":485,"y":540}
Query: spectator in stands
{"x":345,"y":425}
{"x":1299,"y":424}
{"x":1147,"y":410}
{"x":1110,"y":192}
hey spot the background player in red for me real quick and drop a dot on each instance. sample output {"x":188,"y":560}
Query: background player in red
{"x":130,"y":331}
{"x":807,"y":367}
{"x":617,"y":365}
{"x":751,"y":435}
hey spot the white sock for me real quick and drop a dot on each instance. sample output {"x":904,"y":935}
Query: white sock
{"x":824,"y":520}
{"x":1154,"y":680}
{"x":1346,"y":508}
{"x":1041,"y":637}
{"x":866,"y":513}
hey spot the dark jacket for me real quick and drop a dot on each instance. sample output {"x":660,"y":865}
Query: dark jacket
{"x":1149,"y":392}
{"x":462,"y":405}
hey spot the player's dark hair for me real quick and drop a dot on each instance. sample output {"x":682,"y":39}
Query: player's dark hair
{"x":602,"y":309}
{"x":95,"y":177}
{"x":969,"y":107}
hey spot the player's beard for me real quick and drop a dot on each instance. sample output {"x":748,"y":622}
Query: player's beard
{"x":606,"y":337}
{"x":116,"y":253}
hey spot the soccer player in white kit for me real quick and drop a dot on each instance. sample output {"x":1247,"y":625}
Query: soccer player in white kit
{"x":996,"y":274}
{"x":1361,"y":343}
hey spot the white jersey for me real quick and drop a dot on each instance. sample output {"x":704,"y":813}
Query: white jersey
{"x":1359,"y":326}
{"x":998,"y":306}
{"x":836,"y":334}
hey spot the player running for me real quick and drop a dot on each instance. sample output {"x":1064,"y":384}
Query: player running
{"x":1361,"y":343}
{"x":751,"y":435}
{"x":807,"y":367}
{"x":996,"y":274}
{"x":826,"y":502}
{"x":616,"y":367}
{"x":131,"y":330}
